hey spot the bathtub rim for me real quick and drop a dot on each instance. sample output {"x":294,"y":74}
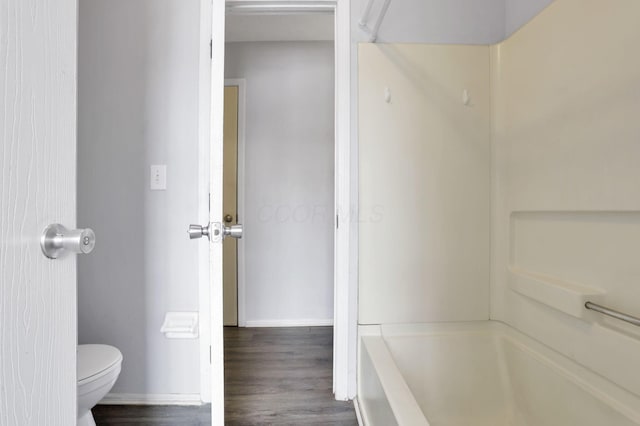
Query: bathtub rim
{"x":375,"y":336}
{"x":404,"y":406}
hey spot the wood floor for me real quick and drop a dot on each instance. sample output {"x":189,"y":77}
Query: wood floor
{"x":282,"y":376}
{"x":273,"y":376}
{"x":152,"y":415}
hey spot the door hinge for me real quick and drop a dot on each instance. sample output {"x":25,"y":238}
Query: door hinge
{"x":211,"y":48}
{"x":209,"y":354}
{"x":337,"y":221}
{"x":209,"y":202}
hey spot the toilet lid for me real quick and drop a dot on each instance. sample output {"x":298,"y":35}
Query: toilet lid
{"x":94,"y":359}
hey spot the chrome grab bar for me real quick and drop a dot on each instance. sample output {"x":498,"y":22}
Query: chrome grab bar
{"x":613,"y":313}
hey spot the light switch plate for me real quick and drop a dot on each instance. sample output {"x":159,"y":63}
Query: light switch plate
{"x":158,"y":177}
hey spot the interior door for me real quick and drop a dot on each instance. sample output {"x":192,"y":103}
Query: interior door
{"x":216,"y":161}
{"x":230,"y":205}
{"x":37,"y":188}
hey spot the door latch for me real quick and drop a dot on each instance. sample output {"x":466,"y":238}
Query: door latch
{"x":215,"y":231}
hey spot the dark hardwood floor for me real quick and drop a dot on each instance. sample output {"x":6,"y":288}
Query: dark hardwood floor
{"x":152,"y":415}
{"x":282,"y":376}
{"x":273,"y":376}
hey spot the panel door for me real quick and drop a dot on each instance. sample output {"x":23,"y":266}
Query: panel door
{"x":230,"y":205}
{"x":37,"y":187}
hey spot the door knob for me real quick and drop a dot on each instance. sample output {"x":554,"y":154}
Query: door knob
{"x":198,"y":231}
{"x":215,"y":231}
{"x":233,"y":231}
{"x":56,"y":240}
{"x":228,"y":218}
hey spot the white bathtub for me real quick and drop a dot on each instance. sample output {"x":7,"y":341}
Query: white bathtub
{"x":480,"y":374}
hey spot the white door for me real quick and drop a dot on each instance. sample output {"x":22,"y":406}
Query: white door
{"x":215,"y":211}
{"x":37,"y":183}
{"x":215,"y":228}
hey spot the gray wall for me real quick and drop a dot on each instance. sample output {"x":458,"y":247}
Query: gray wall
{"x":449,"y":22}
{"x":519,"y":12}
{"x":289,"y":160}
{"x":138,"y":99}
{"x":435,"y":21}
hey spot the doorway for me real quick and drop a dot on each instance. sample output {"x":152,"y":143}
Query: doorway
{"x":288,"y":214}
{"x":345,"y":254}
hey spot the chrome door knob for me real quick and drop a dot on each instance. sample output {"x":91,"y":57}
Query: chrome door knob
{"x":57,"y":240}
{"x":198,"y":231}
{"x":233,"y":231}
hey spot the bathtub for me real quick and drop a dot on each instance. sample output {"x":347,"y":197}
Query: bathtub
{"x":479,"y":374}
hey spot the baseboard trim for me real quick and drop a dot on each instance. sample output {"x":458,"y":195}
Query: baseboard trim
{"x":151,"y":399}
{"x":290,"y":323}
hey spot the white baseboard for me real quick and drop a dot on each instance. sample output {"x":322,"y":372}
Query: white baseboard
{"x":151,"y":399}
{"x":290,"y":323}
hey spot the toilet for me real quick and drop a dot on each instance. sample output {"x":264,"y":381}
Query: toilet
{"x":98,"y":370}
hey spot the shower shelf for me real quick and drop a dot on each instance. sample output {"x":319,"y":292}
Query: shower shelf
{"x":564,"y":296}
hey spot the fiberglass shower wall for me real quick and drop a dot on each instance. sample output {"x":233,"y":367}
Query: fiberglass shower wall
{"x":557,"y":140}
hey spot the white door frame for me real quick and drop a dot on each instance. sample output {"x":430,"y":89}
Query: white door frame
{"x":345,"y":315}
{"x":212,"y":30}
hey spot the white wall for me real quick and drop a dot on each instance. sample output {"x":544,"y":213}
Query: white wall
{"x":289,"y":163}
{"x":138,"y":105}
{"x":566,"y":199}
{"x":435,"y":22}
{"x":424,"y":183}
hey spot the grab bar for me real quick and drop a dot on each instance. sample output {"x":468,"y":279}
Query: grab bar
{"x":613,"y":313}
